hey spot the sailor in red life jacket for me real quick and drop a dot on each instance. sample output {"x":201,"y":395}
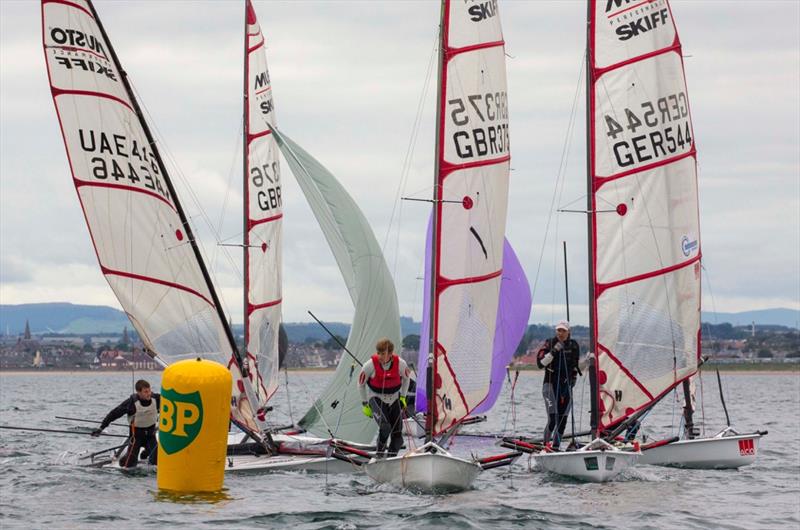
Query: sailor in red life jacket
{"x":383,"y":383}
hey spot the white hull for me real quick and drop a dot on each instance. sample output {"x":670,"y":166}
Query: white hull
{"x":589,"y":464}
{"x":425,"y":471}
{"x":719,"y":452}
{"x":271,"y":464}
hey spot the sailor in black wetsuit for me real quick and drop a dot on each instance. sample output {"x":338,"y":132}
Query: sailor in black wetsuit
{"x":142,"y":410}
{"x":559,"y":360}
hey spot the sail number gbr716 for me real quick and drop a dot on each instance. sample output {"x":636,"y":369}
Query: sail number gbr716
{"x":663,"y":130}
{"x":482,"y":124}
{"x":267,"y":180}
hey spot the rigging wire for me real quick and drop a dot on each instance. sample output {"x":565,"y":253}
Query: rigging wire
{"x":397,"y":206}
{"x":561,"y":170}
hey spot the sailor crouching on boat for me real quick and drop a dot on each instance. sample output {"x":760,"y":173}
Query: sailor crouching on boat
{"x":383,"y":383}
{"x":142,"y":410}
{"x":559,"y":358}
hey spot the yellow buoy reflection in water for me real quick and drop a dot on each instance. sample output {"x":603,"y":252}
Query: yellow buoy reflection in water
{"x":193,"y":426}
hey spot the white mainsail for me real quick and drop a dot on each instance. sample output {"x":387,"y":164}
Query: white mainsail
{"x":263,"y":214}
{"x":470,"y":202}
{"x":644,"y":222}
{"x":144,"y":244}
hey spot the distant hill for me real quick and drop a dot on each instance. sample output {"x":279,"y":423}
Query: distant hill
{"x":62,"y":317}
{"x":775,"y":317}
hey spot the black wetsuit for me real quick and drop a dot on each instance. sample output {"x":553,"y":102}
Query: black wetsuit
{"x":559,"y":378}
{"x":141,"y":437}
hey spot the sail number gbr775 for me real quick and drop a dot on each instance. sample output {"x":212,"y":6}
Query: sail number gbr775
{"x":658,"y":129}
{"x":481,"y":122}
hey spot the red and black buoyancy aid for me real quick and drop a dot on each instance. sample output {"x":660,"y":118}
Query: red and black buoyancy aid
{"x":385,"y":381}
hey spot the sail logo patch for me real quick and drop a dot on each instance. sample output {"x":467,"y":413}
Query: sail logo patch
{"x":747,"y":447}
{"x":688,"y":245}
{"x":180,"y":419}
{"x":637,"y":19}
{"x":482,"y":11}
{"x":78,"y":39}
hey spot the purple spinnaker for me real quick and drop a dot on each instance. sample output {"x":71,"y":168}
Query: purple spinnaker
{"x":513,"y":312}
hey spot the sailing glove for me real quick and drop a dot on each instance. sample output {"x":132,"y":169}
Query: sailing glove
{"x":96,"y":433}
{"x":558,"y":347}
{"x":367,"y":410}
{"x":547,"y":359}
{"x":403,"y":403}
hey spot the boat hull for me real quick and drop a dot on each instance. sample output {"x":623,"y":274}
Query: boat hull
{"x":589,"y":466}
{"x":278,"y":463}
{"x":424,"y":472}
{"x":725,"y":452}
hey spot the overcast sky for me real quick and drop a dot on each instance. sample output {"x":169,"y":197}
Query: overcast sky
{"x":347,"y":79}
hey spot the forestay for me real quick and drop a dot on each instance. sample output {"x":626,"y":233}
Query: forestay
{"x":144,"y":245}
{"x":471,"y":194}
{"x":646,"y":252}
{"x":263,"y":217}
{"x":337,"y":411}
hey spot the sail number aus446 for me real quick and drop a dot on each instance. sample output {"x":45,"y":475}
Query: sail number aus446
{"x":656,"y":130}
{"x":122,"y":160}
{"x":482,"y":121}
{"x":267,"y":179}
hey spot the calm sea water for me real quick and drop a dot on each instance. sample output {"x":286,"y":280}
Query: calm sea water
{"x":41,"y":484}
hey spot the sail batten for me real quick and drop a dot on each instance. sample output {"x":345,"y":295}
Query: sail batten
{"x":645,"y":251}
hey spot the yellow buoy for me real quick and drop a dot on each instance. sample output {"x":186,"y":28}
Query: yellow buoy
{"x":193,"y":426}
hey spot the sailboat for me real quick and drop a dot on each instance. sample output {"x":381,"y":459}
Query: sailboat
{"x":468,"y":226}
{"x":337,"y":411}
{"x":643,"y":226}
{"x":144,"y":243}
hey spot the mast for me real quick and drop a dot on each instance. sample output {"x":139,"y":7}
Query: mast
{"x":245,"y":187}
{"x":434,"y":272}
{"x":594,"y":389}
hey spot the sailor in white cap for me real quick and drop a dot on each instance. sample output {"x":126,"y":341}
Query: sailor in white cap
{"x":559,"y":358}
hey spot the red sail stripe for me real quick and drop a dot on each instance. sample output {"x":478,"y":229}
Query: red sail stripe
{"x":444,"y":283}
{"x":254,"y":307}
{"x":255,"y":222}
{"x":601,"y":287}
{"x":74,"y":49}
{"x":158,"y":281}
{"x":67,"y":92}
{"x":263,"y":90}
{"x":81,"y":183}
{"x":452,"y":52}
{"x":69,"y":4}
{"x":445,"y":168}
{"x":634,"y":6}
{"x":598,"y":181}
{"x":254,"y":48}
{"x":625,"y":370}
{"x":256,"y":136}
{"x":674,"y":47}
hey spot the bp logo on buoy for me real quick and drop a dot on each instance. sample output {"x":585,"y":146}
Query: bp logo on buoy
{"x":180,"y":420}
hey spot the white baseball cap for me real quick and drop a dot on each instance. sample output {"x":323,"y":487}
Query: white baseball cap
{"x":563,"y":324}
